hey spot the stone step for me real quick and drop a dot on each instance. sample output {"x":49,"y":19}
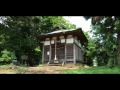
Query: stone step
{"x":52,"y":61}
{"x":55,"y":63}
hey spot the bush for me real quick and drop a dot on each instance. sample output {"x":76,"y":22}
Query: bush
{"x":6,"y":57}
{"x":34,"y":59}
{"x":100,"y":61}
{"x":110,"y":62}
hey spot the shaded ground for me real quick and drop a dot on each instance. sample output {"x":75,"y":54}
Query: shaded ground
{"x":44,"y":69}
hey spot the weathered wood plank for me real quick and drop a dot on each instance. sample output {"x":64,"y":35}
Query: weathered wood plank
{"x":74,"y":53}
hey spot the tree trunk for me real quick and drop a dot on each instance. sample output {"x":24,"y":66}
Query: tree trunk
{"x":118,"y":48}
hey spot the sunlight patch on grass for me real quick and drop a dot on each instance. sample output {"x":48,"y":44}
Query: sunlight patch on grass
{"x":94,"y":70}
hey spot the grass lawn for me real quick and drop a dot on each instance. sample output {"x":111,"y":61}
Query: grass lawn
{"x":94,"y":70}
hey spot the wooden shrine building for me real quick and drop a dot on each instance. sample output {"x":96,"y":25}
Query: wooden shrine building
{"x":63,"y":46}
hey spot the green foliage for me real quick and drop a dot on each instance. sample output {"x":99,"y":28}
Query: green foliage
{"x":17,"y":33}
{"x":6,"y":57}
{"x":106,"y":38}
{"x":90,"y":51}
{"x":37,"y":49}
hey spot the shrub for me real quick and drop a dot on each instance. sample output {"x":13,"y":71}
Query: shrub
{"x":6,"y":57}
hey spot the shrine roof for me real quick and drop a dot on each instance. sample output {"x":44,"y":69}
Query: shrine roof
{"x":59,"y":31}
{"x":75,"y":32}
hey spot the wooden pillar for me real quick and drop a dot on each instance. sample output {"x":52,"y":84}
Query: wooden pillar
{"x":65,"y":52}
{"x":55,"y":50}
{"x":74,"y":53}
{"x":50,"y":51}
{"x":43,"y":54}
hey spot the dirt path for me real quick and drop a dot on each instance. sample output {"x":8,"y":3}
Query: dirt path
{"x":44,"y":69}
{"x":50,"y":69}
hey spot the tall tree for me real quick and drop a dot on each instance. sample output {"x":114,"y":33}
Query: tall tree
{"x":90,"y":51}
{"x":108,"y":28}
